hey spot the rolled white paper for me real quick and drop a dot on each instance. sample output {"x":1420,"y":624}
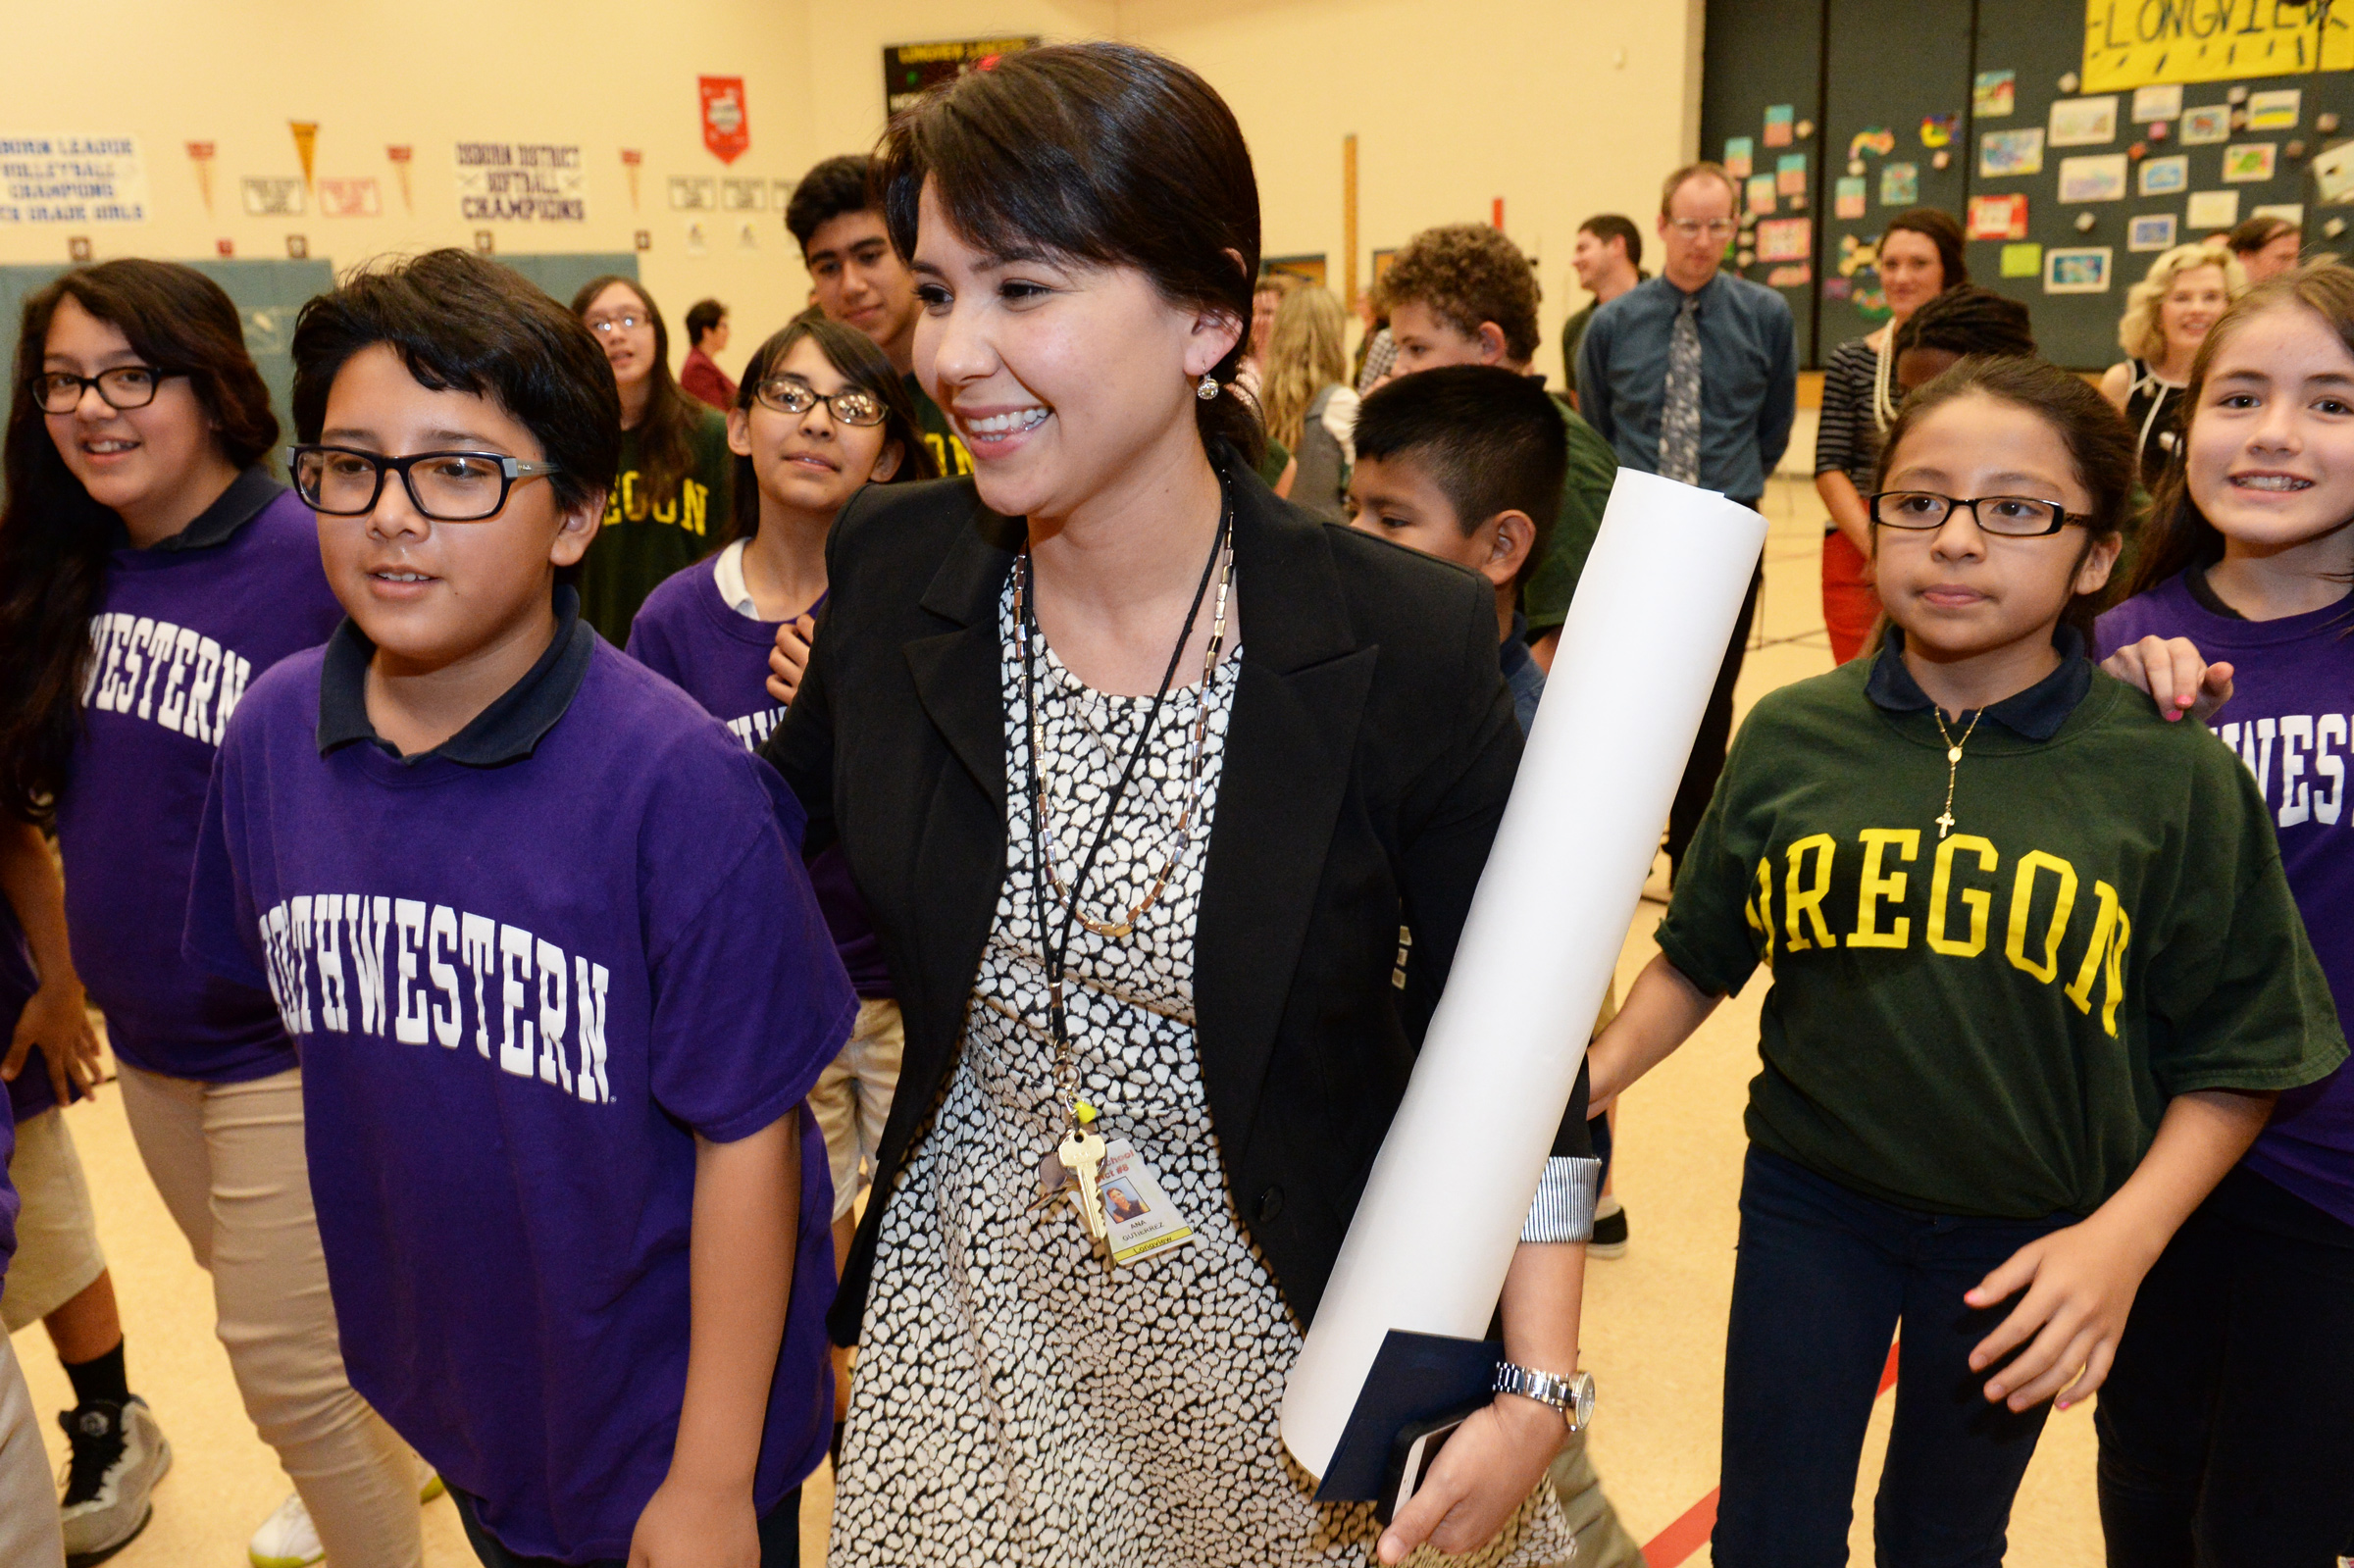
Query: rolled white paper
{"x":1442,"y":1209}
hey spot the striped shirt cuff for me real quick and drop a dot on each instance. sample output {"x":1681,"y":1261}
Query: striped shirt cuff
{"x":1564,"y":1210}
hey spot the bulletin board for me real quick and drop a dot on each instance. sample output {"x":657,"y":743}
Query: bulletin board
{"x":1761,"y":84}
{"x":2080,"y":137}
{"x":563,"y":275}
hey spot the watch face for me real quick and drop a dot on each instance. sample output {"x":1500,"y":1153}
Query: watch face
{"x":1581,"y":1399}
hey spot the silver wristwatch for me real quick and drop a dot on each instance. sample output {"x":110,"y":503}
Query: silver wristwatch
{"x":1572,"y":1397}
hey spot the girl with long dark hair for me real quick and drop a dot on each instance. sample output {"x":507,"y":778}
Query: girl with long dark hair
{"x":150,"y":569}
{"x":672,"y":500}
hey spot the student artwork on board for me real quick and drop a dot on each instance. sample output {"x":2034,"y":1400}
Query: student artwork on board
{"x":2084,"y":121}
{"x":1994,"y":93}
{"x":2006,"y":154}
{"x":1999,"y":216}
{"x":2165,"y":177}
{"x":2099,"y":178}
{"x":2248,"y":162}
{"x":1900,"y":185}
{"x":2212,"y":210}
{"x":2210,"y":123}
{"x":2150,"y":231}
{"x":2157,"y":103}
{"x":1849,"y":196}
{"x":2022,"y":260}
{"x":2277,"y":110}
{"x":2080,"y":271}
{"x":1740,"y":155}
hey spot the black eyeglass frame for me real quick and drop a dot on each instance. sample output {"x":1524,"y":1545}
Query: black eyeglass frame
{"x":2061,"y":516}
{"x":511,"y":471}
{"x":760,"y":395}
{"x":97,"y":383}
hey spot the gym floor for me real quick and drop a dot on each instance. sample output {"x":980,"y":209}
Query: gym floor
{"x":1654,"y":1319}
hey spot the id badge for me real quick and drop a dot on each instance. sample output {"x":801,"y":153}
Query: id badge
{"x":1140,"y":1218}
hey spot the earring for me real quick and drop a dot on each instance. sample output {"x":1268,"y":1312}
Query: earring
{"x":1208,"y":390}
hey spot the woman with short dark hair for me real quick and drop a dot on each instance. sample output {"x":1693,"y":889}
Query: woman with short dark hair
{"x":1139,"y":892}
{"x":1920,"y":257}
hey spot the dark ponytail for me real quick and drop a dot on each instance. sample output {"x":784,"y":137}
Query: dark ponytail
{"x":1101,"y":153}
{"x":54,"y":538}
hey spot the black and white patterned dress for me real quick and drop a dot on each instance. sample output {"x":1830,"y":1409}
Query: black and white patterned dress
{"x":1019,"y":1402}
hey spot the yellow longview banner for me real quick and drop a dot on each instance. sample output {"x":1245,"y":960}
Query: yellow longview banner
{"x":2132,"y":43}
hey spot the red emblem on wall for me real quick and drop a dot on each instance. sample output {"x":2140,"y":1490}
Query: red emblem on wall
{"x":725,"y":129}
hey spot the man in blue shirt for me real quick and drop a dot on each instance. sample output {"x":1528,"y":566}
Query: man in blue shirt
{"x":1694,"y":375}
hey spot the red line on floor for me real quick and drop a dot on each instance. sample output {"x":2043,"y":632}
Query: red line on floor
{"x":1680,"y":1540}
{"x":1685,"y":1537}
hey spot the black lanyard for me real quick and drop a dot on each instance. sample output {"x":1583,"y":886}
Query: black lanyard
{"x":1055,"y":955}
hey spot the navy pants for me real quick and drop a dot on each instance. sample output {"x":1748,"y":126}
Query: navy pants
{"x":1823,"y":1279}
{"x":780,"y":1538}
{"x":2227,"y":1423}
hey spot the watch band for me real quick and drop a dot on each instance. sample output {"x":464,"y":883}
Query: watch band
{"x":1572,"y":1397}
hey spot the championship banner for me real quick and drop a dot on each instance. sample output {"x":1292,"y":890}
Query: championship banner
{"x":725,"y":130}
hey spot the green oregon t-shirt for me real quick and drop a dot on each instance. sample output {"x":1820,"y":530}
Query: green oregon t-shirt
{"x":1593,"y":470}
{"x":646,"y":537}
{"x":1990,"y":1023}
{"x":948,"y":455}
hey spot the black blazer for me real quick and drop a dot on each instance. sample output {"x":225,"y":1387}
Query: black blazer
{"x":1368,"y":759}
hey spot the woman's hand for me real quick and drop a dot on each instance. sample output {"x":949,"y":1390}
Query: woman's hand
{"x":2177,"y":678}
{"x":1486,"y":1471}
{"x":2079,"y":1286}
{"x":57,"y":1019}
{"x":789,"y":658}
{"x":686,"y":1525}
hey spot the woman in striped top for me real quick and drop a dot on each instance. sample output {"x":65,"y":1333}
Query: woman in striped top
{"x":1920,"y":257}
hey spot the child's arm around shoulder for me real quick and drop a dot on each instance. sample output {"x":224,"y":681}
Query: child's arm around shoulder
{"x":2175,"y":676}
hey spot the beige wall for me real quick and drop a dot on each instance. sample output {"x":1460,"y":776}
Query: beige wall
{"x":1564,"y":108}
{"x":429,"y":74}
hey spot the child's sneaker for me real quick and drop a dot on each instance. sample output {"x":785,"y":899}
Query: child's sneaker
{"x":1610,"y":1230}
{"x":288,"y":1539}
{"x":118,"y":1454}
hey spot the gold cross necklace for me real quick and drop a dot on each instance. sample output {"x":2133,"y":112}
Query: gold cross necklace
{"x":1952,"y":762}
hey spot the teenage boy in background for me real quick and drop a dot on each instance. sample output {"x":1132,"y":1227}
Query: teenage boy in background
{"x":1467,"y":463}
{"x":1464,"y":294}
{"x":700,"y":378}
{"x":1609,"y":260}
{"x":559,"y":978}
{"x":860,"y":282}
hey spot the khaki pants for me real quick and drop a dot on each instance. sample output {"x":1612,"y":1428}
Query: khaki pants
{"x":29,"y":1534}
{"x":56,"y":1232}
{"x":229,"y":1160}
{"x":1602,"y":1541}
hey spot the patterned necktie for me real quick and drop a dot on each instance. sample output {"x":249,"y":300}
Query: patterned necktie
{"x":1679,"y":415}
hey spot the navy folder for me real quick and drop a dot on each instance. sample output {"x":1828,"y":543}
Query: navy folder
{"x":1417,"y":1376}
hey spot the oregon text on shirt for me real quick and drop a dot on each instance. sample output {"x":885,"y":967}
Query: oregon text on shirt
{"x":170,"y":675}
{"x":689,"y":509}
{"x":413,"y":968}
{"x":2047,"y":925}
{"x":2299,"y":762}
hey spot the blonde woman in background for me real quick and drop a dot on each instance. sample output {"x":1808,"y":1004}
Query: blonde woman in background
{"x":2166,"y":317}
{"x":1306,"y":397}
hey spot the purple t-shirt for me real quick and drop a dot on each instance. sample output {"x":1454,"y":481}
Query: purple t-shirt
{"x":180,"y":635}
{"x":25,"y":1098}
{"x":690,"y":635}
{"x":520,"y":990}
{"x":31,"y":1092}
{"x":2291,"y":720}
